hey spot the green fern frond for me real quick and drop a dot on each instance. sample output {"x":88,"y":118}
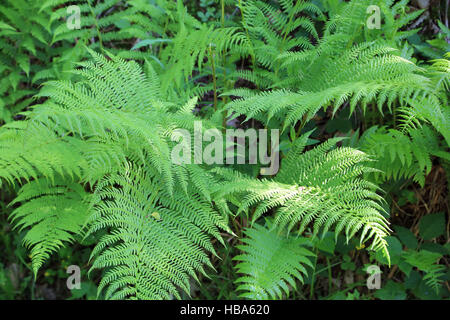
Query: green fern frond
{"x":52,"y":212}
{"x":270,"y":263}
{"x":402,"y":155}
{"x":153,"y":248}
{"x":322,"y":188}
{"x":426,"y":261}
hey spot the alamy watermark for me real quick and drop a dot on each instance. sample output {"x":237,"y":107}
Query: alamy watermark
{"x":213,"y":153}
{"x":374,"y":20}
{"x":74,"y":280}
{"x":374,"y":279}
{"x":74,"y":20}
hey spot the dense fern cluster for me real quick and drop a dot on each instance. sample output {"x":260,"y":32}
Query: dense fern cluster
{"x":100,"y":153}
{"x":97,"y":111}
{"x":322,"y":187}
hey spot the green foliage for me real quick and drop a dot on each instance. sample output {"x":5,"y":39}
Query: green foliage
{"x":406,"y":237}
{"x":424,"y":256}
{"x":89,"y":118}
{"x":26,"y":55}
{"x":426,"y":261}
{"x":156,"y":242}
{"x":53,"y":212}
{"x":432,"y":226}
{"x":339,"y":72}
{"x":105,"y":143}
{"x":322,"y":187}
{"x":402,"y":155}
{"x":391,"y":291}
{"x":270,"y":263}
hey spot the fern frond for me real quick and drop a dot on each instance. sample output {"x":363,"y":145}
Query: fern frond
{"x":323,"y":187}
{"x":53,"y":212}
{"x":153,"y":248}
{"x":402,"y":155}
{"x":270,"y":263}
{"x":426,"y":261}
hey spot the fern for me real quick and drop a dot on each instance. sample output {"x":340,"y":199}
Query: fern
{"x":426,"y":261}
{"x":86,"y":138}
{"x":24,"y":34}
{"x":321,"y":187}
{"x":270,"y":263}
{"x":54,"y":212}
{"x":96,"y":133}
{"x":401,"y":155}
{"x":347,"y":68}
{"x":38,"y":45}
{"x":153,"y":246}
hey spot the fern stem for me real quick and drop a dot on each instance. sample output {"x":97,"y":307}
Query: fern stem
{"x":313,"y":276}
{"x":302,"y":124}
{"x":394,"y":113}
{"x":331,"y":266}
{"x":226,"y":88}
{"x":224,"y":62}
{"x":252,"y":54}
{"x":213,"y":67}
{"x":33,"y":285}
{"x":285,"y":34}
{"x":291,"y":16}
{"x":99,"y":34}
{"x":330,"y":284}
{"x":222,"y":19}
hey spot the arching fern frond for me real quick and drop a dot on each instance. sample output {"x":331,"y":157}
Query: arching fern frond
{"x":402,"y":154}
{"x":152,"y":249}
{"x":271,"y":263}
{"x":426,"y":261}
{"x":321,"y":188}
{"x":30,"y":150}
{"x":53,"y":212}
{"x":110,"y":131}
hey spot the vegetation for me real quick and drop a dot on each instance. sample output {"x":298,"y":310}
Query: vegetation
{"x":91,"y":110}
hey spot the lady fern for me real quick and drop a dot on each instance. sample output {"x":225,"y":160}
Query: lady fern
{"x":320,"y":189}
{"x":270,"y":263}
{"x":402,"y":155}
{"x":92,"y":153}
{"x":53,"y":211}
{"x":153,"y":246}
{"x":111,"y":133}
